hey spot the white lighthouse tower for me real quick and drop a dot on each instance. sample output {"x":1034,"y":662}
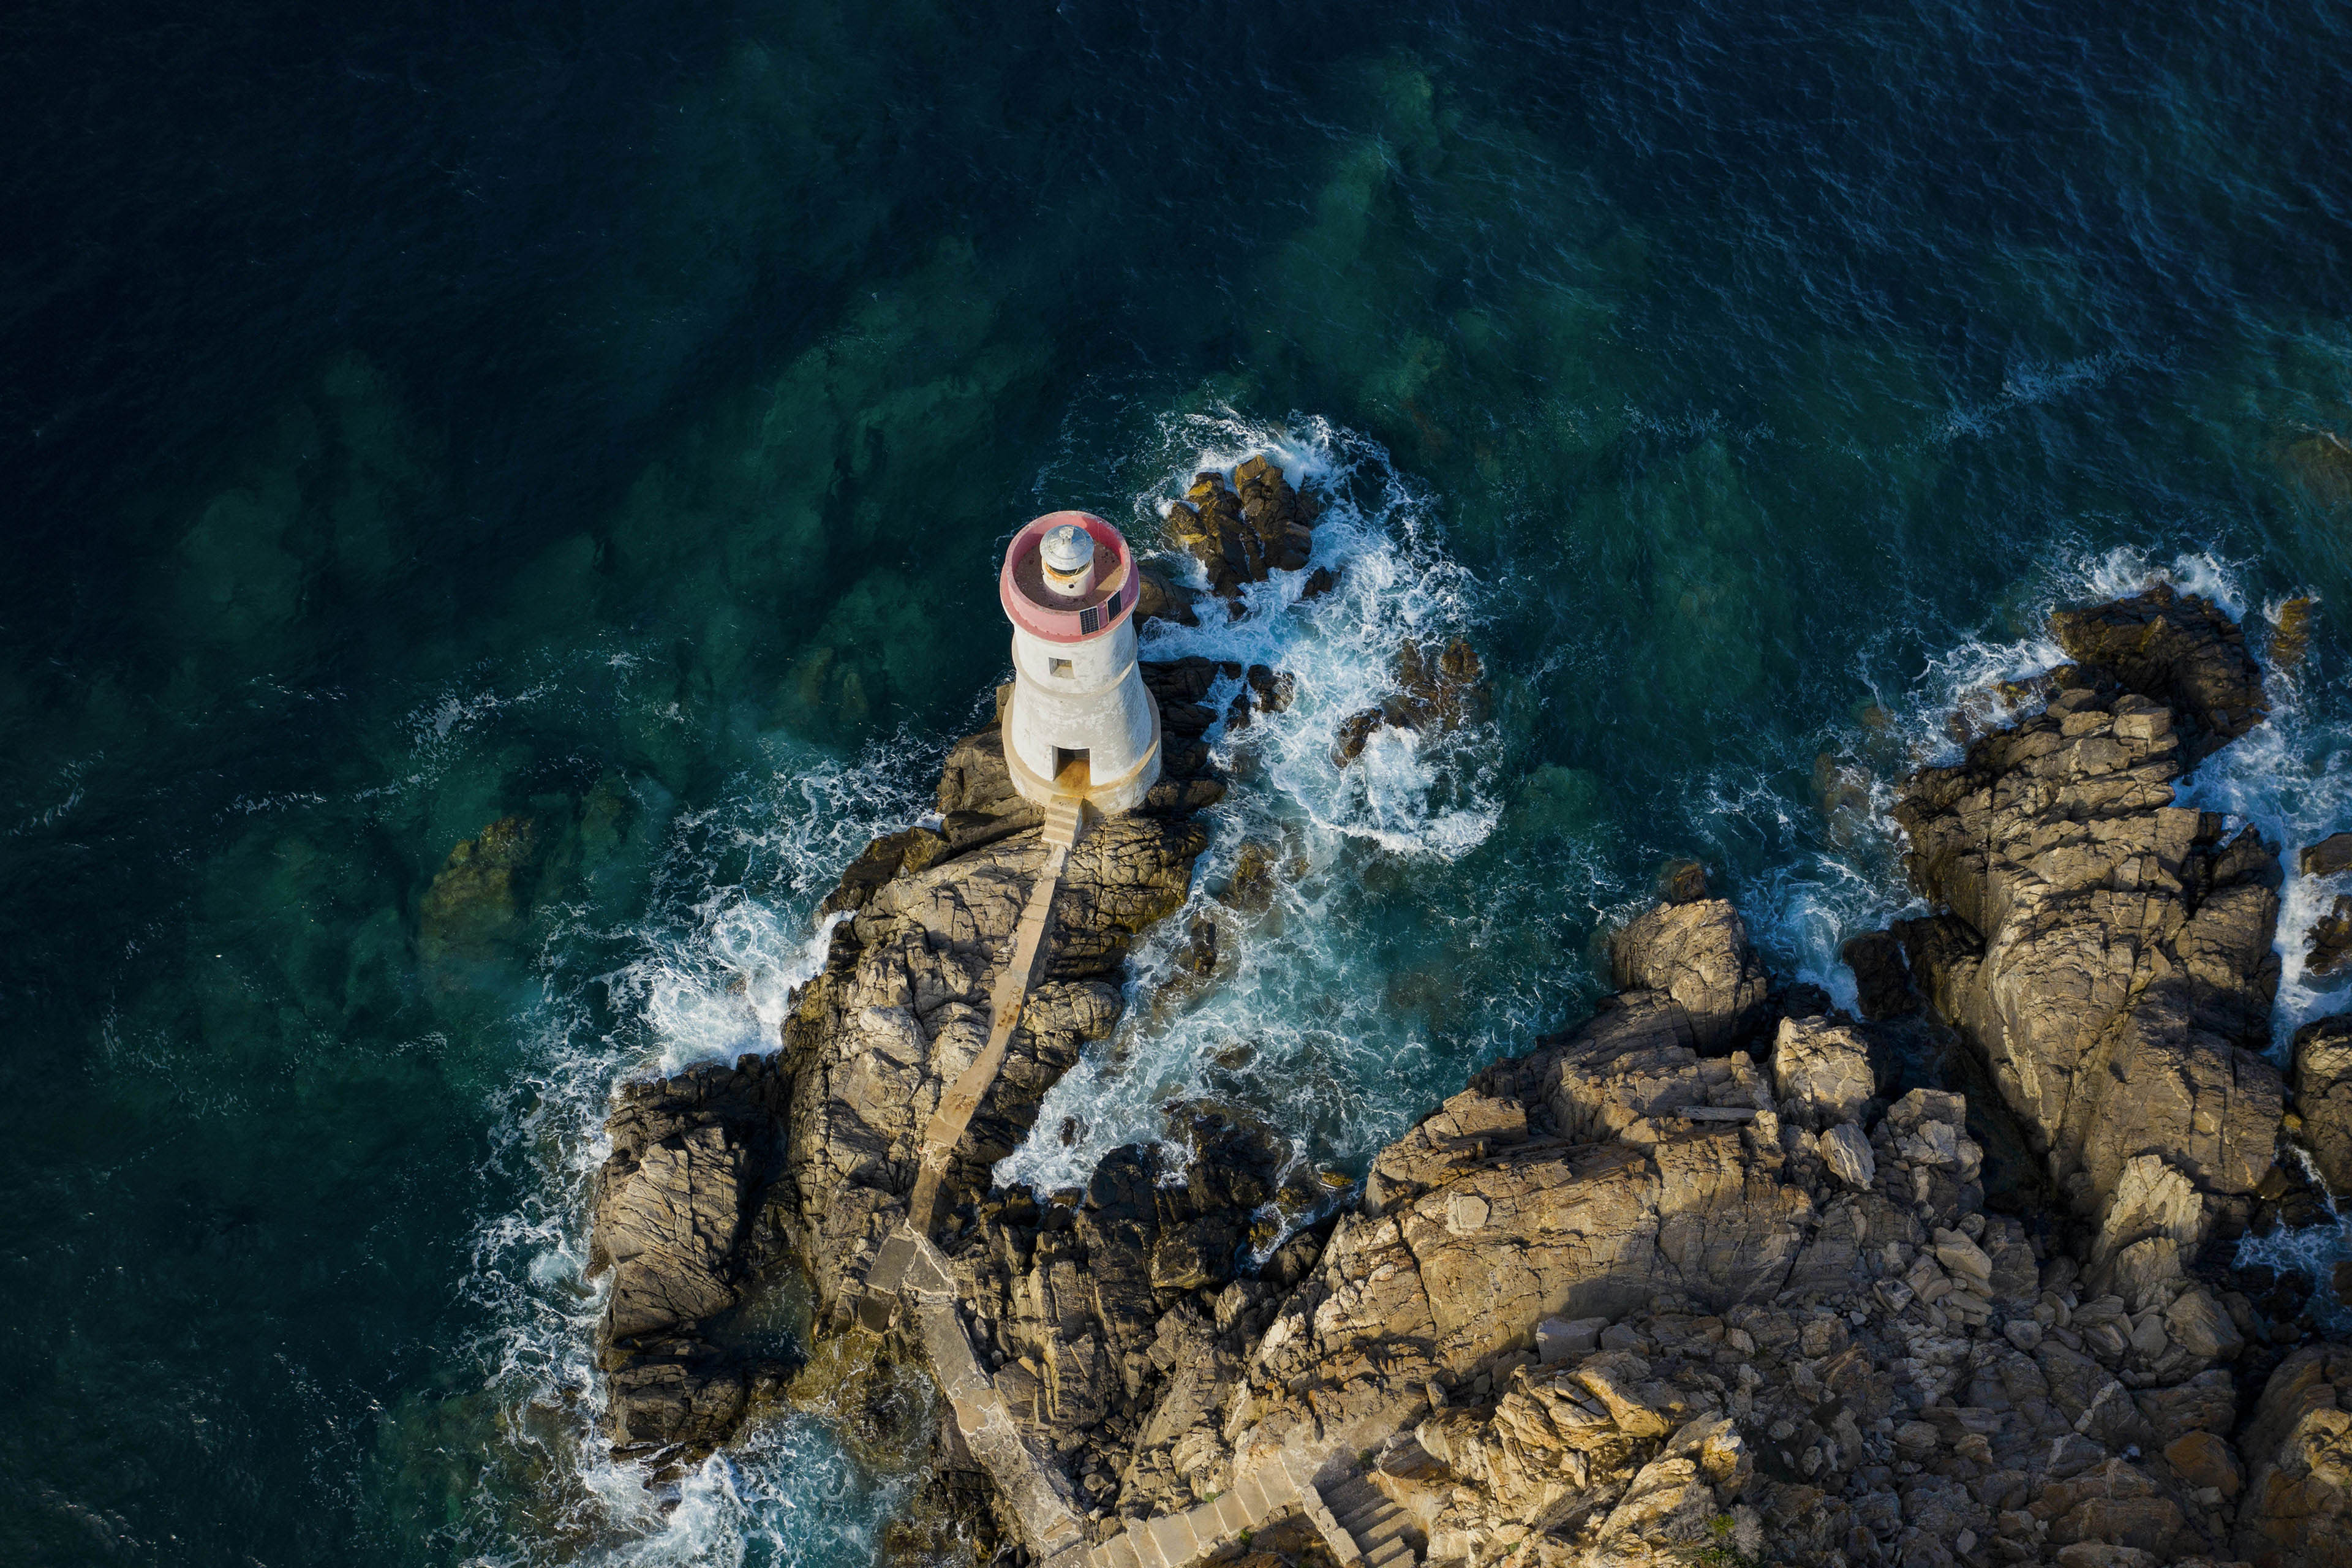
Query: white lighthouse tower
{"x":1079,"y":722}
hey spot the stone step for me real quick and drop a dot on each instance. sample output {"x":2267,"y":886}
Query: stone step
{"x":1063,"y":819}
{"x":1396,"y":1553}
{"x":1318,"y":1513}
{"x":1374,"y":1534}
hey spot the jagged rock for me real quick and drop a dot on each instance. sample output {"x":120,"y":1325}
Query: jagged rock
{"x":684,"y":1398}
{"x":2153,"y":1220}
{"x":674,"y":1221}
{"x":1466,"y":1130}
{"x":1158,"y":599}
{"x":2323,"y":1096}
{"x":1820,"y":1071}
{"x":1243,"y":526}
{"x":2177,"y":650}
{"x":2049,"y":843}
{"x":1847,"y":1153}
{"x":1682,"y":882}
{"x":2202,"y":1459}
{"x":2298,"y":1454}
{"x":1435,"y":694}
{"x":2328,"y":953}
{"x":1696,"y":956}
{"x":909,"y":850}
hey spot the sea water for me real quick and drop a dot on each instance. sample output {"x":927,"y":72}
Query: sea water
{"x":607,"y":424}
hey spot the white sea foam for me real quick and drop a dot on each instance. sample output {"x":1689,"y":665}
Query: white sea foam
{"x":1298,"y":1024}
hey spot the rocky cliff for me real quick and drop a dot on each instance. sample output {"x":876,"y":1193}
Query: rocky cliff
{"x":1712,"y":1276}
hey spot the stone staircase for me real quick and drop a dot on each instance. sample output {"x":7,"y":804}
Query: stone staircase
{"x":1358,"y":1523}
{"x":909,"y":1274}
{"x":1370,"y":1527}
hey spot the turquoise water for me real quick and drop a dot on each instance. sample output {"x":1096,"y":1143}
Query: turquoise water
{"x":421,"y":419}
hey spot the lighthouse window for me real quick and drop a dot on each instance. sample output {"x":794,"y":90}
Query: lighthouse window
{"x":1060,"y":667}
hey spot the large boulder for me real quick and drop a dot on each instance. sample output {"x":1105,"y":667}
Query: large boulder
{"x":2107,"y":952}
{"x":2297,"y":1511}
{"x":1820,"y":1069}
{"x":1696,"y":956}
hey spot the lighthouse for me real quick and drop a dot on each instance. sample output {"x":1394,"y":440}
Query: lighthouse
{"x":1078,"y":722}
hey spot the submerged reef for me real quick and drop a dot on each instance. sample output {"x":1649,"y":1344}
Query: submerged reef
{"x":1712,"y":1276}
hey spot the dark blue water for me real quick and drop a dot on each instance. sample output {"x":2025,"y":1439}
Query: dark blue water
{"x":416,"y":418}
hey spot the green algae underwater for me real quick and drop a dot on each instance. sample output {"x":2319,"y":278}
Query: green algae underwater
{"x":506,"y":505}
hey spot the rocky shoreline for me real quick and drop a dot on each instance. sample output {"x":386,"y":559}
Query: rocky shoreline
{"x":1716,"y":1276}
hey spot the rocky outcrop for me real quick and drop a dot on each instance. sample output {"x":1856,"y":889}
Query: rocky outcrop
{"x":1617,"y":1303}
{"x":2331,"y":857}
{"x":1436,"y":693}
{"x":2180,"y":651}
{"x":1709,"y":1277}
{"x":2297,"y":1449}
{"x":720,"y":1174}
{"x":681,"y":1226}
{"x":2107,"y":951}
{"x":902,"y":1007}
{"x":1243,"y":526}
{"x":2327,"y":953}
{"x":1694,"y":956}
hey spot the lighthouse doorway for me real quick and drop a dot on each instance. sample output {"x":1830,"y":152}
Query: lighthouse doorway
{"x":1071,"y":773}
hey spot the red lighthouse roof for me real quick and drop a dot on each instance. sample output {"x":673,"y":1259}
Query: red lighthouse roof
{"x":1034,"y":608}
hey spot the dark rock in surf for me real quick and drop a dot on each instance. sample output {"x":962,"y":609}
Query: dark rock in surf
{"x":2331,"y":855}
{"x":1158,"y":599}
{"x":2327,"y":951}
{"x":1243,"y":527}
{"x":2177,"y":650}
{"x":1436,"y":693}
{"x":1882,"y":975}
{"x":1682,"y":882}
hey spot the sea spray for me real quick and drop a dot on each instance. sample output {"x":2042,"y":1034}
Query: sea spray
{"x":1299,"y":1025}
{"x":730,"y":931}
